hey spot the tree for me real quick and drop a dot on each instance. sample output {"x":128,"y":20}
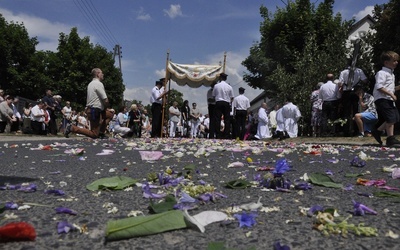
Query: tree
{"x":16,"y":52}
{"x":387,"y":36}
{"x":77,"y":57}
{"x":299,"y":45}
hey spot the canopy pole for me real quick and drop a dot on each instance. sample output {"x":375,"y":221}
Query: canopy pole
{"x":164,"y":97}
{"x":223,"y":67}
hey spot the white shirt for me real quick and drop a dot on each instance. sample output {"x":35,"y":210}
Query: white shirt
{"x":358,"y":76}
{"x":67,"y":111}
{"x":222,"y":92}
{"x":155,"y":94}
{"x":329,"y":91}
{"x":35,"y":112}
{"x":241,"y":102}
{"x":96,"y":94}
{"x":384,"y":79}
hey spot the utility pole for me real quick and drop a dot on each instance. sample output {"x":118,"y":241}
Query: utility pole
{"x":117,"y":52}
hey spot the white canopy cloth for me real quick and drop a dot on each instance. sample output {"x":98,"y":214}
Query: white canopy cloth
{"x":193,"y":75}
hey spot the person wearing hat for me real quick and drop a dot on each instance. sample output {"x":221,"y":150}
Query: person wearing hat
{"x":156,"y":100}
{"x":223,"y":94}
{"x":241,"y":105}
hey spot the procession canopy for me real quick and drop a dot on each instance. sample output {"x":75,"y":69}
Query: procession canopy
{"x":193,"y":75}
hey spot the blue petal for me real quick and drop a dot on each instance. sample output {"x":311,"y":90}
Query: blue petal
{"x":185,"y":198}
{"x":55,"y":192}
{"x":64,"y":210}
{"x":64,"y":227}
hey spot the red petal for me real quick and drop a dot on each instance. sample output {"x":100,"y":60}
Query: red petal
{"x":16,"y":231}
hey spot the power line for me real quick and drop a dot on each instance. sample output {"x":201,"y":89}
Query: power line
{"x":110,"y":34}
{"x":95,"y":22}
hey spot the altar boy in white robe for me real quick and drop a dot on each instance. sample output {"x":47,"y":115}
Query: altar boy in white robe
{"x":291,"y":114}
{"x":262,"y":128}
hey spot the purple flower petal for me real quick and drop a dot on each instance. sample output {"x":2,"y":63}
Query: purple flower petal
{"x":281,"y":167}
{"x":11,"y":206}
{"x":361,"y":209}
{"x":64,"y":210}
{"x":349,"y":187}
{"x":148,"y":194}
{"x":314,"y":209}
{"x":246,"y":219}
{"x":28,"y":188}
{"x":329,"y":172}
{"x":55,"y":192}
{"x":201,"y":182}
{"x":303,"y":186}
{"x":278,"y":246}
{"x":64,"y":227}
{"x":357,"y":162}
{"x":185,"y":198}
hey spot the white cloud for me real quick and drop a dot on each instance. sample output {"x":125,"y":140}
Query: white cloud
{"x":174,"y":11}
{"x":47,"y":31}
{"x":361,"y":14}
{"x":142,"y":15}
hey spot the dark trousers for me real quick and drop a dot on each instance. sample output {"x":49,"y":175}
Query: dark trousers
{"x":211,"y":115}
{"x":241,"y":123}
{"x":329,"y":112}
{"x":348,"y":108}
{"x":3,"y":126}
{"x":37,"y":128}
{"x":156,"y":111}
{"x":222,"y":109}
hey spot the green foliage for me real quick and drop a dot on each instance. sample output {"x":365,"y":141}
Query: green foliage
{"x":299,"y":45}
{"x":387,"y":36}
{"x":28,"y":73}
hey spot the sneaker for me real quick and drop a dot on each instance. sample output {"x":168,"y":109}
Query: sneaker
{"x":67,"y":130}
{"x":360,"y":135}
{"x":392,"y":141}
{"x":377,"y":135}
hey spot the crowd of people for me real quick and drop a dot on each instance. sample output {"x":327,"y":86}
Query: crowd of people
{"x":340,"y":105}
{"x":344,"y":106}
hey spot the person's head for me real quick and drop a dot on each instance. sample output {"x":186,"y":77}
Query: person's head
{"x":359,"y":90}
{"x":159,"y":83}
{"x":241,"y":90}
{"x":122,"y":109}
{"x":133,"y":107}
{"x":67,"y":103}
{"x":185,"y":103}
{"x":175,"y":104}
{"x":16,"y":100}
{"x":57,"y":98}
{"x":28,"y":105}
{"x":97,"y":73}
{"x":1,"y":92}
{"x":145,"y":111}
{"x":318,"y":86}
{"x":390,"y":59}
{"x":223,"y":76}
{"x":40,"y":103}
{"x":9,"y":99}
{"x":48,"y":92}
{"x":264,"y":105}
{"x":329,"y":77}
{"x":194,"y":105}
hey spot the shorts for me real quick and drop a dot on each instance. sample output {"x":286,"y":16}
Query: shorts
{"x":387,"y":110}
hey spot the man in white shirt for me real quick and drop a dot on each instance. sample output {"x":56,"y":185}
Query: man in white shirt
{"x":241,"y":104}
{"x":329,"y":93}
{"x":37,"y":118}
{"x":223,"y":94}
{"x":156,"y":100}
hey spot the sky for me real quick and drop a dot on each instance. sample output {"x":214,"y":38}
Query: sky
{"x":193,"y":32}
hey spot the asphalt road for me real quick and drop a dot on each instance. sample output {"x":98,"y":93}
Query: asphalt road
{"x":22,"y":156}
